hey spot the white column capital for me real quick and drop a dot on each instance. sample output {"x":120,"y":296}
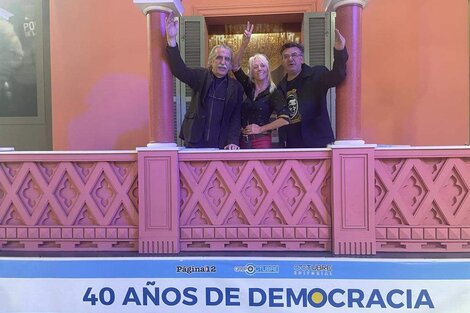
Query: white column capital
{"x":333,"y":5}
{"x":169,"y":6}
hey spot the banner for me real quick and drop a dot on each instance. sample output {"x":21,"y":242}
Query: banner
{"x":233,"y":285}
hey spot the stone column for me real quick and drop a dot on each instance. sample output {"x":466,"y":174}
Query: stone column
{"x":348,"y":94}
{"x":158,"y":169}
{"x":161,"y":109}
{"x":353,"y":209}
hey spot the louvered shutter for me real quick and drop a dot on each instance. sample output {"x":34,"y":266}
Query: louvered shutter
{"x":192,"y":47}
{"x":318,"y":39}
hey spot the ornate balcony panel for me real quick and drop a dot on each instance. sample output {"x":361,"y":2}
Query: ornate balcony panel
{"x":66,"y":202}
{"x":422,"y":200}
{"x":248,"y":201}
{"x":269,"y":200}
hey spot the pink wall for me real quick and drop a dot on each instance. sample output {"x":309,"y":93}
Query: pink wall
{"x":99,"y":75}
{"x":415,"y":71}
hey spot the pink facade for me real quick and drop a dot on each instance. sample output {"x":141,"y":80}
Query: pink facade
{"x":99,"y":69}
{"x":347,"y":201}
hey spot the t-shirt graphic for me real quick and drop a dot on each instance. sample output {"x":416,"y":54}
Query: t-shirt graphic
{"x":293,"y":105}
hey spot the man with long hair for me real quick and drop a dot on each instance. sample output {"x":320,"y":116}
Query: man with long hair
{"x":213,"y":117}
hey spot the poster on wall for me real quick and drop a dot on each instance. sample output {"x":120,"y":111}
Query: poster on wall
{"x":234,"y":285}
{"x":20,"y":39}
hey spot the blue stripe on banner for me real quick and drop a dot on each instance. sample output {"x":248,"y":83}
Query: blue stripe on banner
{"x":305,"y":268}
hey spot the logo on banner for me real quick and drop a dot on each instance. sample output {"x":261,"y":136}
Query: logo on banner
{"x":313,"y":270}
{"x":251,"y":269}
{"x":196,"y":269}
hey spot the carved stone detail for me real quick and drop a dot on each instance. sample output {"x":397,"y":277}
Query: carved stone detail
{"x":427,"y":200}
{"x":272,"y":195}
{"x":51,"y":199}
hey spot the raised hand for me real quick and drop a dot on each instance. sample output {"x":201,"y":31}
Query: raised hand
{"x":340,"y":41}
{"x":245,"y":41}
{"x":247,"y":34}
{"x":172,"y":25}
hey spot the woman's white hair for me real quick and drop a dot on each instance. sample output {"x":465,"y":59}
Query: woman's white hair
{"x":264,"y":60}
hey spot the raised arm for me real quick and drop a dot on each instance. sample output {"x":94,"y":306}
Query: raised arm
{"x":245,"y":41}
{"x":172,"y":26}
{"x":340,"y":41}
{"x":189,"y":76}
{"x":338,"y":73}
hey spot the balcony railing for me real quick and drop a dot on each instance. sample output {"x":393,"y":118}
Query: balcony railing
{"x":360,"y":200}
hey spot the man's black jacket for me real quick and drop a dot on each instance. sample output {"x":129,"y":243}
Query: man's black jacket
{"x":311,"y":96}
{"x":199,"y":80}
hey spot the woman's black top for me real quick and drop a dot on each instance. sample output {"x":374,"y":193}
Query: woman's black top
{"x":258,"y":110}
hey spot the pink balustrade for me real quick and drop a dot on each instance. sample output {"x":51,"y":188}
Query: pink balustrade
{"x":422,"y":200}
{"x":340,"y":200}
{"x":68,"y":202}
{"x":256,"y":201}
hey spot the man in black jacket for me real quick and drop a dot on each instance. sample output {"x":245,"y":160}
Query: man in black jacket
{"x":305,"y":90}
{"x":213,"y":117}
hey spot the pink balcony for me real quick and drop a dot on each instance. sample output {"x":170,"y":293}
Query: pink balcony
{"x":345,"y":201}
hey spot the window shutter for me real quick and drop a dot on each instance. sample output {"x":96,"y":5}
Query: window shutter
{"x":192,"y":47}
{"x":318,"y":40}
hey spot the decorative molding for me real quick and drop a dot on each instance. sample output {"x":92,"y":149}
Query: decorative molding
{"x":168,"y":6}
{"x":351,"y":143}
{"x":256,"y":238}
{"x":355,"y":247}
{"x":160,"y":146}
{"x":300,"y":232}
{"x":423,"y":239}
{"x":57,"y":238}
{"x":333,"y":5}
{"x":258,"y":8}
{"x":159,"y":246}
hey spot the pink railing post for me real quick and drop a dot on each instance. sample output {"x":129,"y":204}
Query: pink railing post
{"x":353,"y":219}
{"x":159,"y":201}
{"x":158,"y":163}
{"x":353,"y":206}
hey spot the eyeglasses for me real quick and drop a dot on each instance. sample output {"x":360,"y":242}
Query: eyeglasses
{"x":293,"y":55}
{"x":220,"y":58}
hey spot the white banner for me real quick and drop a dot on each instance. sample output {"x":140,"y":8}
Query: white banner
{"x":231,"y":285}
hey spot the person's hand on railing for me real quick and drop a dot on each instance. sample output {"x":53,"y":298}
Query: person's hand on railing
{"x":231,"y":147}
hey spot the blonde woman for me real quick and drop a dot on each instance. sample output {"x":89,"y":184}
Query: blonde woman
{"x":262,"y":99}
